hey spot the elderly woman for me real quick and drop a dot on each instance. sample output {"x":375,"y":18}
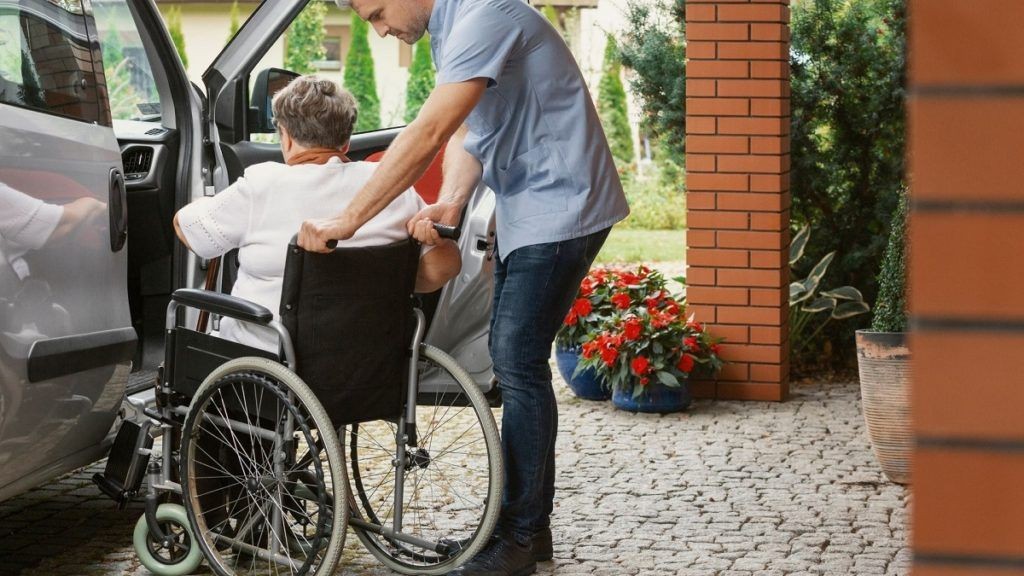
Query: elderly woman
{"x":260,"y":212}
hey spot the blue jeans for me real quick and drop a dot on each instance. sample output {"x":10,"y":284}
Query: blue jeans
{"x":534,"y":287}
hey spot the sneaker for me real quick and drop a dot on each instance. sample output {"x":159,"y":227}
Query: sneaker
{"x":502,"y":556}
{"x":540,"y":544}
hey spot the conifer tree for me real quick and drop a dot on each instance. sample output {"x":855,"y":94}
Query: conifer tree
{"x":611,"y":105}
{"x":421,"y":79}
{"x":177,"y":36}
{"x":305,"y":41}
{"x":235,"y":23}
{"x":359,"y":77}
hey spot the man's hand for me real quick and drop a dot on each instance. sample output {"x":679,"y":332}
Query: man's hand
{"x":421,"y":226}
{"x":314,"y":234}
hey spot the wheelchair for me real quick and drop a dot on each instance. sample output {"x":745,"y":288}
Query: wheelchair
{"x":254,"y":444}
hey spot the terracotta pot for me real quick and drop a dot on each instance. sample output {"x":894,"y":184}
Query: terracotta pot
{"x":884,"y":362}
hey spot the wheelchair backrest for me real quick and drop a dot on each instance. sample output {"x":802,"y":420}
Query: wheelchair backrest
{"x":349,"y":313}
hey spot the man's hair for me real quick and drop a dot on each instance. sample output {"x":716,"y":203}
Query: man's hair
{"x":316,"y":113}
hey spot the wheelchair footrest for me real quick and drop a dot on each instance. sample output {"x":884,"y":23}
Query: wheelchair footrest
{"x":126,"y":467}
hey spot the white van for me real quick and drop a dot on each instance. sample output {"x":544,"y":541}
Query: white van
{"x":102,"y":139}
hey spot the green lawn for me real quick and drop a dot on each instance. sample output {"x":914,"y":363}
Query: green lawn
{"x":643,"y":246}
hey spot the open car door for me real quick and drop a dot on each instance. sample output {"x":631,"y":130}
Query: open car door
{"x":459,"y":314}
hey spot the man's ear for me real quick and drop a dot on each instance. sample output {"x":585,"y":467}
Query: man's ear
{"x":344,"y":149}
{"x":286,"y":140}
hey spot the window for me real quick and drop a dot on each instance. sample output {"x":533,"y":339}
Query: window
{"x":130,"y":85}
{"x":46,"y":62}
{"x":336,"y":43}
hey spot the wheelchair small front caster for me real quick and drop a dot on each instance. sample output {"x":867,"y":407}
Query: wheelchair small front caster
{"x":179,"y":554}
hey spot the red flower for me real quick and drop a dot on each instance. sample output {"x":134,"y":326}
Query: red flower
{"x":589,"y":348}
{"x":608,"y":355}
{"x":570,"y":318}
{"x":691,"y":343}
{"x":586,"y":287}
{"x":685,"y":364}
{"x":714,"y":349}
{"x":582,"y":306}
{"x":628,"y":279}
{"x":644,"y":381}
{"x":621,"y":300}
{"x":631,"y":328}
{"x":640,"y":365}
{"x":696,"y":326}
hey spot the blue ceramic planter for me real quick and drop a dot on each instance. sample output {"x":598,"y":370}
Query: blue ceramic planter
{"x":658,"y":399}
{"x":587,"y":384}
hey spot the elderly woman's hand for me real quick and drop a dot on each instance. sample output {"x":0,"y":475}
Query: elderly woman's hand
{"x":314,"y":234}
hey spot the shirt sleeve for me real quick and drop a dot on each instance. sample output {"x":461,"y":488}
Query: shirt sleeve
{"x":481,"y":41}
{"x":213,"y":226}
{"x":26,"y":221}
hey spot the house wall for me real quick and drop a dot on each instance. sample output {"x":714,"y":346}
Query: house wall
{"x":966,"y":139}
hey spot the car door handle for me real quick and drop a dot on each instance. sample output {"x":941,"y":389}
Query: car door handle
{"x":117,"y":209}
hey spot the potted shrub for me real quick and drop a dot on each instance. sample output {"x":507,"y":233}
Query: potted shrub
{"x":605,"y":291}
{"x":648,"y":351}
{"x":883,"y":359}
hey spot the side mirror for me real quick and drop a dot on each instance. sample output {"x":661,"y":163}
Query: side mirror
{"x":268,"y":83}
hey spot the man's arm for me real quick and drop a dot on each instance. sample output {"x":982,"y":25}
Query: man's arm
{"x":407,"y":159}
{"x":437,"y":267}
{"x":462,"y":172}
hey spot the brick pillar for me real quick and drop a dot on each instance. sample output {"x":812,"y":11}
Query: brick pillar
{"x":966,"y":137}
{"x":737,"y":179}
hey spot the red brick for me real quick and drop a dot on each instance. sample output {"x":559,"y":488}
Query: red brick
{"x":700,"y":200}
{"x":718,"y":69}
{"x":769,"y":296}
{"x":716,"y":295}
{"x":701,"y":13}
{"x":764,"y":164}
{"x":700,"y":125}
{"x":771,"y":107}
{"x":753,"y":202}
{"x":752,"y":88}
{"x":702,"y":388}
{"x":718,"y":219}
{"x":700,"y":162}
{"x":769,"y":183}
{"x":752,"y":278}
{"x":777,"y":32}
{"x":734,"y":372}
{"x":763,"y":392}
{"x":717,"y":106}
{"x":988,"y":48}
{"x":769,"y":221}
{"x":700,"y":238}
{"x":699,"y":276}
{"x":696,"y":87}
{"x":702,"y":313}
{"x":717,"y":144}
{"x":707,"y":31}
{"x":718,"y":258}
{"x":769,"y":69}
{"x":955,"y":570}
{"x":751,"y":13}
{"x":750,"y":315}
{"x":700,"y":50}
{"x":769,"y":259}
{"x":968,"y":502}
{"x":709,"y":182}
{"x":753,"y":240}
{"x":769,"y":372}
{"x":734,"y":334}
{"x":753,"y":126}
{"x":765,"y":334}
{"x":769,"y":145}
{"x":753,"y":50}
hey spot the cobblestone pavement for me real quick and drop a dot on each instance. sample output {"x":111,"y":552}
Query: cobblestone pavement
{"x":730,"y":488}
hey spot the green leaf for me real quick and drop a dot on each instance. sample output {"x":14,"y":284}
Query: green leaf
{"x":820,"y":305}
{"x":797,"y":293}
{"x":818,"y":272}
{"x":850,"y":309}
{"x":657,"y":348}
{"x":845,"y":293}
{"x":667,"y":379}
{"x":798,"y":244}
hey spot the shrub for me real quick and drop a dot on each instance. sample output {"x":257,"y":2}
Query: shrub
{"x":891,"y":307}
{"x":173,"y":19}
{"x":305,"y":41}
{"x":654,"y":203}
{"x":235,"y":23}
{"x":611,"y":105}
{"x":421,"y":79}
{"x":359,"y":77}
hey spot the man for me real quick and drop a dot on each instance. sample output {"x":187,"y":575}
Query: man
{"x":513,"y":107}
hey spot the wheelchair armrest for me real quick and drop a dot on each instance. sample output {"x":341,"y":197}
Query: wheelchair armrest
{"x":223,"y":304}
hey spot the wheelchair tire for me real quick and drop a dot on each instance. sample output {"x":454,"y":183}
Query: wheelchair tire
{"x":458,"y":450}
{"x":183,"y":558}
{"x":263,"y":473}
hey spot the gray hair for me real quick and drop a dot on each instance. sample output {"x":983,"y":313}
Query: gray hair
{"x":315,"y":112}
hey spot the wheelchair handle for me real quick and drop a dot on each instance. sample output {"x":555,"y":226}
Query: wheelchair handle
{"x":450,"y":232}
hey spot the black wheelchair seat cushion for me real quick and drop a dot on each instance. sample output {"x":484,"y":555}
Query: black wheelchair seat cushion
{"x":350,"y":316}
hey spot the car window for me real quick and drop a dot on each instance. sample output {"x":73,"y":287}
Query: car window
{"x":46,"y":61}
{"x":132,"y":91}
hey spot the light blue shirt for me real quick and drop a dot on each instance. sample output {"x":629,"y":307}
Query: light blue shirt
{"x":535,"y":130}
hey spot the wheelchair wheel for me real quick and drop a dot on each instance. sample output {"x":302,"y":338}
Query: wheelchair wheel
{"x":263,"y":473}
{"x":181,"y":557}
{"x":452,"y":478}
